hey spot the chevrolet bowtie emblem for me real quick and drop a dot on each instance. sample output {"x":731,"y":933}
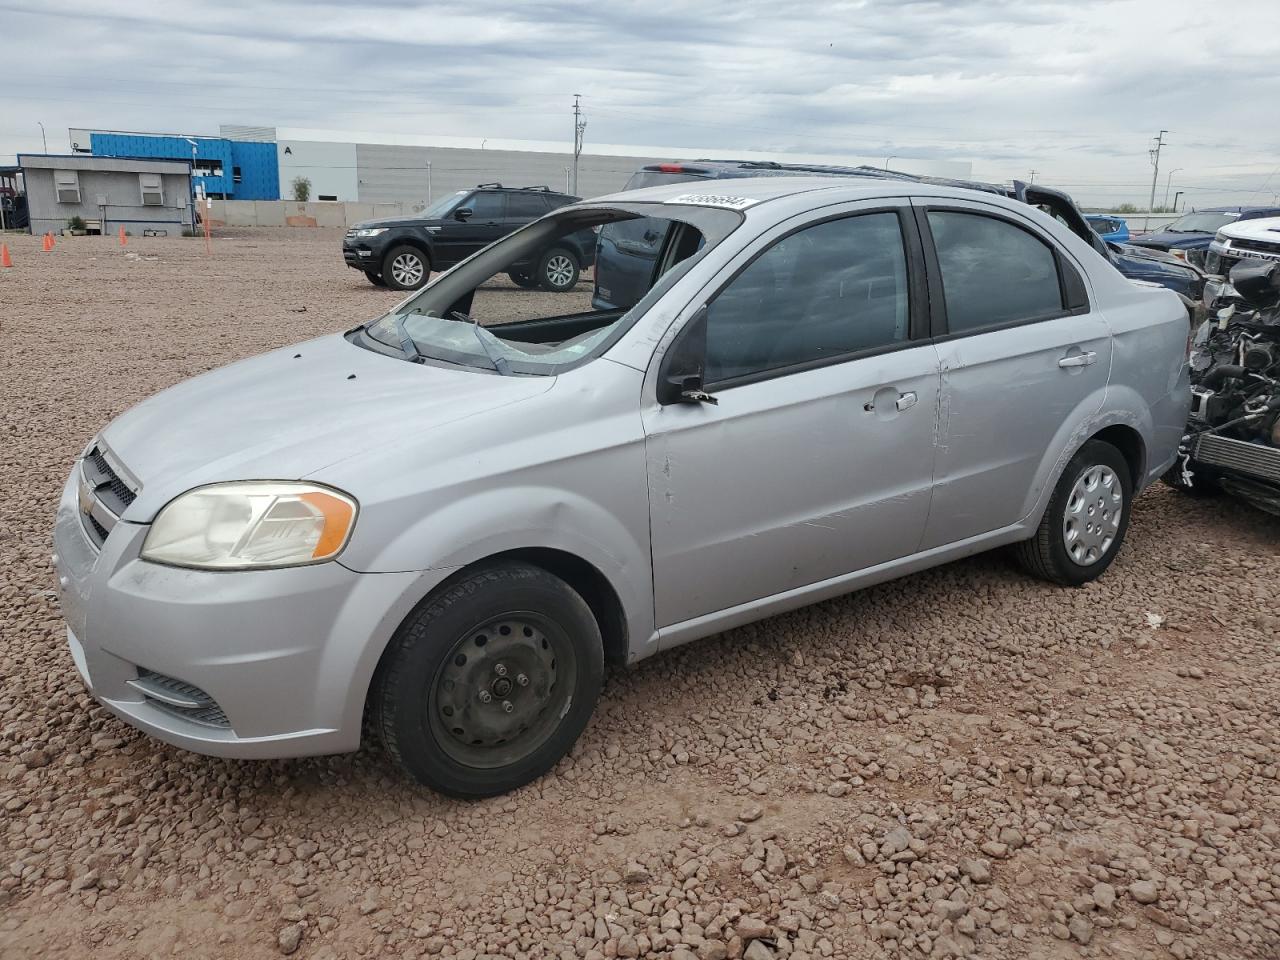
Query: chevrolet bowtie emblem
{"x":84,"y":497}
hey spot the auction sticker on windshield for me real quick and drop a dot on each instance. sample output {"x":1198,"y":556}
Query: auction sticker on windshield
{"x":713,"y":200}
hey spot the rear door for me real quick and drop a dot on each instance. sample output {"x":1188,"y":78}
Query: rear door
{"x":1023,"y":357}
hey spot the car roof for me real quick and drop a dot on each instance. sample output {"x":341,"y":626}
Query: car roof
{"x":744,"y":193}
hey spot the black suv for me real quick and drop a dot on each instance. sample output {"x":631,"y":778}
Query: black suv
{"x":401,"y":252}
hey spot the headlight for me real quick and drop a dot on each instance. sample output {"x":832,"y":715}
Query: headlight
{"x":368,"y":231}
{"x":239,"y":526}
{"x":1179,"y":253}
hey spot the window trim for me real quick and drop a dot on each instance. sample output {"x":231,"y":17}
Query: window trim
{"x":57,"y":185}
{"x":938,"y":321}
{"x":917,"y":297}
{"x":143,"y":189}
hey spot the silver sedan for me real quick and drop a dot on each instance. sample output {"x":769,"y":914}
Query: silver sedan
{"x":452,"y":526}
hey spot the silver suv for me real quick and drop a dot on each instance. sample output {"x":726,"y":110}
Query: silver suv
{"x":453,"y":527}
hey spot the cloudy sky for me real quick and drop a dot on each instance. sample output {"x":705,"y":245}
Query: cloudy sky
{"x":1074,"y":90}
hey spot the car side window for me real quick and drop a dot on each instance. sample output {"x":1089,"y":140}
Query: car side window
{"x":828,"y":290}
{"x":526,"y":206}
{"x":487,"y":206}
{"x":993,"y":272}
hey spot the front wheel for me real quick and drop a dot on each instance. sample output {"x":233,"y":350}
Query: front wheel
{"x":374,"y":278}
{"x":1084,"y":525}
{"x":523,"y":280}
{"x":405,"y":268}
{"x":558,"y":270}
{"x":487,"y":685}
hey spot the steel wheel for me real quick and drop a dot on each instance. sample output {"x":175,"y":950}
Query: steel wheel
{"x":1091,"y":520}
{"x":502,"y":690}
{"x":407,"y":269}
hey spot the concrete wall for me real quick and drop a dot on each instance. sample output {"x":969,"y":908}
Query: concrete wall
{"x":123,"y":197}
{"x":389,"y":173}
{"x":290,"y":213}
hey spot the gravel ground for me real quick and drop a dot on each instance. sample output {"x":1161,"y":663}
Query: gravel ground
{"x":966,"y":762}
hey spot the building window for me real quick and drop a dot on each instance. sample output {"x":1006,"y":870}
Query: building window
{"x":327,"y":196}
{"x":67,"y":183}
{"x":235,"y":175}
{"x":207,"y":168}
{"x":152,"y":190}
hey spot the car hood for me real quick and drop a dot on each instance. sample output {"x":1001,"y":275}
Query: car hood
{"x":1170,"y":241}
{"x":397,"y":222}
{"x":1266,"y":229}
{"x":286,"y":414}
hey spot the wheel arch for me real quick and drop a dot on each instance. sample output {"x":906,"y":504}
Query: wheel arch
{"x":409,"y":240}
{"x":580,"y":574}
{"x":1132,"y":447}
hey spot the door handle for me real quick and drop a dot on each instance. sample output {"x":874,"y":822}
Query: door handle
{"x":906,"y":400}
{"x":1079,"y":360}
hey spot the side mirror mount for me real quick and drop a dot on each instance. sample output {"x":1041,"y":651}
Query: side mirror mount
{"x":681,"y":376}
{"x":463,"y":214}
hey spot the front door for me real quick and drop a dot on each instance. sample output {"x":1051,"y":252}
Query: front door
{"x":1022,"y":356}
{"x":487,"y":223}
{"x":818,"y":458}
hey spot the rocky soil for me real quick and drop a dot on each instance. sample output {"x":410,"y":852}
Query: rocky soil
{"x":963,"y":763}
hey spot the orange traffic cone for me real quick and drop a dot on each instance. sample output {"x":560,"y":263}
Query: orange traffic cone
{"x":123,"y":241}
{"x":52,"y":241}
{"x":5,"y":259}
{"x":45,"y":243}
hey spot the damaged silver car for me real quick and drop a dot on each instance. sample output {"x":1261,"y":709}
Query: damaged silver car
{"x":449,"y":521}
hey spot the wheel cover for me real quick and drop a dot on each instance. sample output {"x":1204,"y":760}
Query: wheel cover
{"x":407,"y":269}
{"x":1091,"y":520}
{"x":502,"y":690}
{"x":559,"y":270}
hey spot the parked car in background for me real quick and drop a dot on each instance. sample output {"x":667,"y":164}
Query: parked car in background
{"x":1253,"y":239}
{"x":445,"y":523}
{"x":1188,"y":237}
{"x":626,"y":252}
{"x":1109,"y":228}
{"x":401,"y":252}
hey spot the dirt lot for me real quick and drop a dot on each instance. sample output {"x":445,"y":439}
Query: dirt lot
{"x":964,"y":762}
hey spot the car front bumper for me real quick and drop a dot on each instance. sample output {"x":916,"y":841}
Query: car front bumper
{"x":361,"y":256}
{"x":253,"y":664}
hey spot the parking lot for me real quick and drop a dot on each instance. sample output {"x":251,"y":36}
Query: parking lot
{"x":965,"y":762}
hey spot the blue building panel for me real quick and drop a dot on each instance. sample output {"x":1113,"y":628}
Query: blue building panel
{"x":235,"y":169}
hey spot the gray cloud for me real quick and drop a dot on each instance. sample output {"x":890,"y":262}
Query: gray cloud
{"x":1074,"y":90}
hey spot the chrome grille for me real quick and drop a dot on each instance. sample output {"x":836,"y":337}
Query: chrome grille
{"x":1251,"y":459}
{"x":179,"y":698}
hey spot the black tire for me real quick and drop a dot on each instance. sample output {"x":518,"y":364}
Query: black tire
{"x":558,"y":270}
{"x":524,"y":280}
{"x":375,"y":279}
{"x":399,"y":271}
{"x":512,"y":617}
{"x":1048,"y":555}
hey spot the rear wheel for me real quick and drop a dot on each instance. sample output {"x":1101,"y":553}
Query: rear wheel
{"x":1084,"y":525}
{"x":405,"y":268}
{"x":486,"y":686}
{"x":375,"y":279}
{"x":558,"y":270}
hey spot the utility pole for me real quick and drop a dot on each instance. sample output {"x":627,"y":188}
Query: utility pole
{"x":1175,"y":200}
{"x":579,"y":126}
{"x":1168,"y":182}
{"x":886,"y":162}
{"x":1154,"y":153}
{"x":43,"y":139}
{"x":1031,"y":176}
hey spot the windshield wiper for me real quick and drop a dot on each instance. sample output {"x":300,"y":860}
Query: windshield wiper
{"x":498,"y":360}
{"x":407,"y":343}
